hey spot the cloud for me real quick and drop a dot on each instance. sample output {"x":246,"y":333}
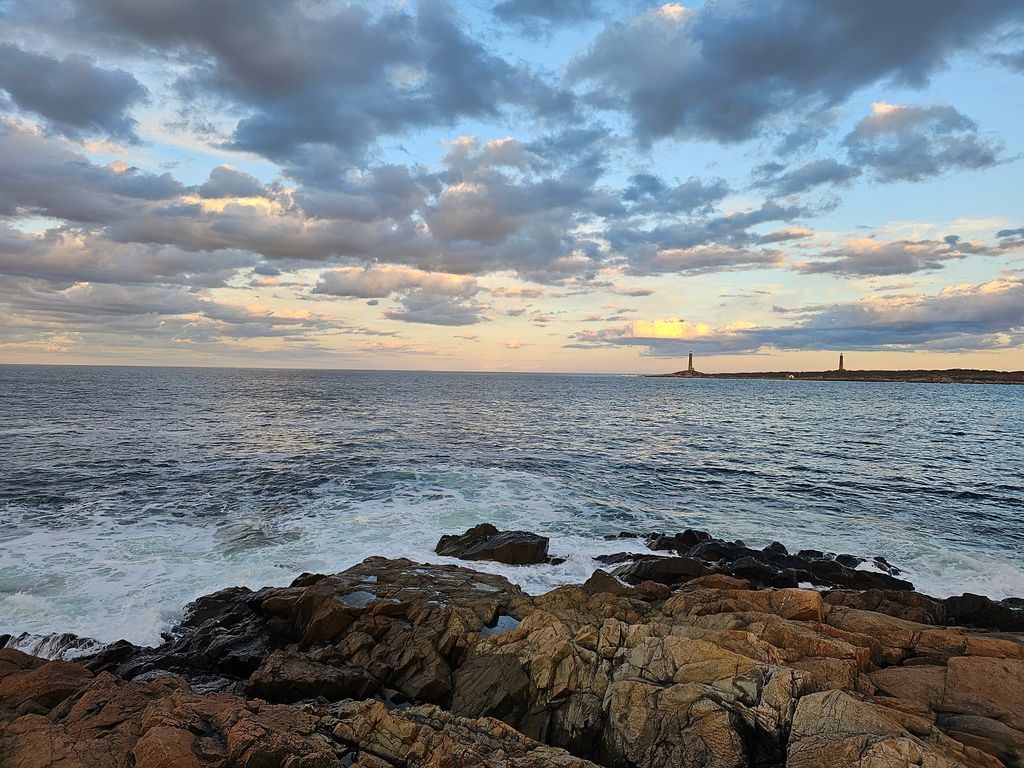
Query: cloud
{"x":43,"y":177}
{"x":64,"y":258}
{"x":909,"y":143}
{"x":423,"y":297}
{"x":315,"y":80}
{"x":171,"y":314}
{"x":867,"y":257}
{"x":73,"y":95}
{"x":1014,"y":61}
{"x":382,"y":281}
{"x":225,"y":181}
{"x":648,"y":193}
{"x":807,"y":176}
{"x":711,"y":244}
{"x":716,"y":72}
{"x":963,"y":317}
{"x":422,"y":306}
{"x":528,"y":15}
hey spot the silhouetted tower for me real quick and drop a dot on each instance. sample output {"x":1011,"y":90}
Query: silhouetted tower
{"x":689,"y":367}
{"x":841,"y":368}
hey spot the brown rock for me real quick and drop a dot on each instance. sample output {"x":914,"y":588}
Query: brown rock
{"x":984,"y":686}
{"x":29,"y":686}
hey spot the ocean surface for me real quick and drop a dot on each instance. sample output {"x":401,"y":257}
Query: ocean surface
{"x":126,"y":492}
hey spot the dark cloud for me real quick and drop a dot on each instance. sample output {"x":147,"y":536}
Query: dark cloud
{"x":168,"y":313}
{"x":381,"y":281}
{"x":723,"y":71}
{"x":45,"y":177}
{"x":648,"y":193}
{"x":900,"y":257}
{"x":422,"y":306}
{"x":710,"y":244}
{"x":1014,"y":61}
{"x":812,"y":174}
{"x":225,"y":181}
{"x":63,"y":258}
{"x":911,"y":143}
{"x":537,"y":18}
{"x":326,"y":79}
{"x":984,"y":316}
{"x":73,"y":95}
{"x":1019,"y":232}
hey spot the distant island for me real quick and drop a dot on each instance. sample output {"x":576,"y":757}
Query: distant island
{"x":948,"y":376}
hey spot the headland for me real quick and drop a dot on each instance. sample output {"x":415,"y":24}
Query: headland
{"x":948,"y":376}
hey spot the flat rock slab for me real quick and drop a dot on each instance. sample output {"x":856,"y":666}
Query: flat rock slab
{"x":485,"y":542}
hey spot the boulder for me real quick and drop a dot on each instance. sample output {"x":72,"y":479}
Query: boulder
{"x":485,"y":542}
{"x":665,"y":570}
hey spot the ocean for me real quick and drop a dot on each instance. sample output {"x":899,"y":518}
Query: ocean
{"x":126,"y":492}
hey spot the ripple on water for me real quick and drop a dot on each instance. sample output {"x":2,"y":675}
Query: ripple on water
{"x":125,"y":493}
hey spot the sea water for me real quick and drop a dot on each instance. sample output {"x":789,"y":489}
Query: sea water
{"x":126,"y":492}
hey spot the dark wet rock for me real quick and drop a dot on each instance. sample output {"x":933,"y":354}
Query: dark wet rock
{"x":485,"y":542}
{"x":773,"y":566}
{"x":885,"y":565}
{"x":619,"y":557}
{"x":978,"y":611}
{"x":678,"y":542}
{"x":665,"y":570}
{"x":621,"y":535}
{"x":776,"y":548}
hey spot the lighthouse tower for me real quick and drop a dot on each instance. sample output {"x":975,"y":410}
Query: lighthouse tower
{"x":841,"y":368}
{"x":689,"y":366}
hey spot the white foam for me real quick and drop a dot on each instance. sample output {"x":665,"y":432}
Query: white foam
{"x":100,"y":578}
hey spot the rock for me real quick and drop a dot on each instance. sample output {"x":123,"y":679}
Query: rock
{"x":428,"y":737}
{"x":718,"y":581}
{"x":679,"y":541}
{"x":621,"y":535}
{"x":381,"y":623}
{"x":485,"y":542}
{"x":653,"y":590}
{"x":979,"y":611}
{"x":986,"y":686}
{"x":619,"y":557}
{"x":600,"y":581}
{"x":394,"y":664}
{"x":777,"y":548}
{"x":287,"y":676}
{"x":987,"y":735}
{"x":28,"y":685}
{"x":665,"y":570}
{"x":834,"y":729}
{"x":902,"y":604}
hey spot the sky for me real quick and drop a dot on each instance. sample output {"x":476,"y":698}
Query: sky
{"x":513,"y":185}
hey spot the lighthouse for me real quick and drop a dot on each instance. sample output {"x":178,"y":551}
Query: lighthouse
{"x":689,"y":366}
{"x":841,"y":368}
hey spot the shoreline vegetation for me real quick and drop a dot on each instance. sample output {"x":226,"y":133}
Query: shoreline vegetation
{"x":948,"y":376}
{"x":696,"y":652}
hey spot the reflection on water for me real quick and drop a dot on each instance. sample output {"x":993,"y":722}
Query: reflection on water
{"x":127,"y":491}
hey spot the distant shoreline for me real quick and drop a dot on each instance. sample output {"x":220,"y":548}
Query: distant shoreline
{"x":949,"y":376}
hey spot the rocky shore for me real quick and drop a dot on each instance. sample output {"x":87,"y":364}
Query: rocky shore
{"x":703,"y":652}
